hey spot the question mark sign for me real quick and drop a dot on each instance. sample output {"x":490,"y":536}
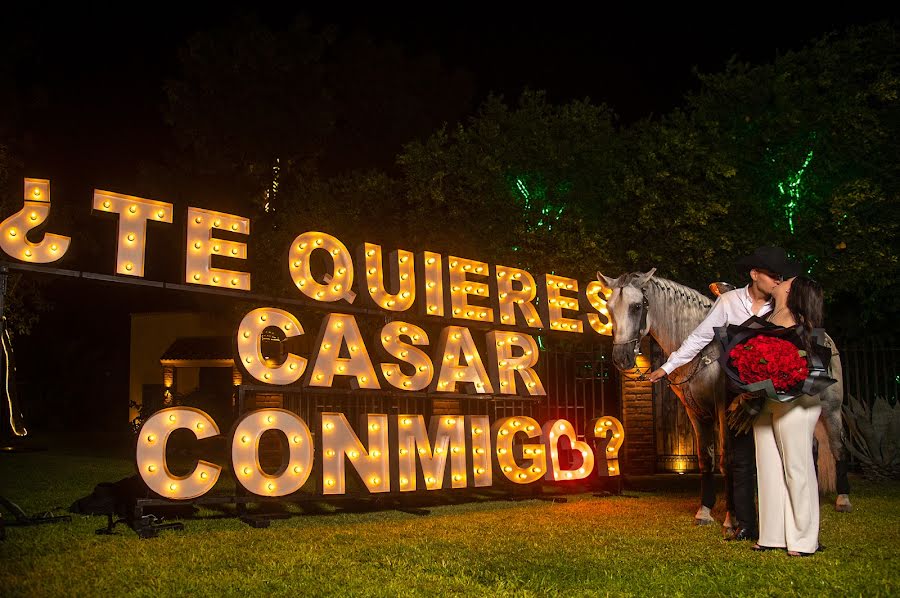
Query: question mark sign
{"x":599,"y":429}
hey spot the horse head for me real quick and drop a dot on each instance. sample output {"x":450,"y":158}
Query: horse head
{"x":630,"y":313}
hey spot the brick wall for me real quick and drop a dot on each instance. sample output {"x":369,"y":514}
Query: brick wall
{"x":639,"y":449}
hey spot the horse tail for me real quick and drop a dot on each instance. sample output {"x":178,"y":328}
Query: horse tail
{"x":826,"y":463}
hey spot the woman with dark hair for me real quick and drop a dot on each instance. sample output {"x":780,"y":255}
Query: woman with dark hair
{"x":788,"y":490}
{"x":804,"y":301}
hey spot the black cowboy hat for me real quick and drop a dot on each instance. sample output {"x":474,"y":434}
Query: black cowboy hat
{"x":771,"y":259}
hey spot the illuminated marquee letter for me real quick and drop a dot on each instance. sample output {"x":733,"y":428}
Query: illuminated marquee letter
{"x":418,"y":360}
{"x":336,"y":284}
{"x":415,"y":443}
{"x":516,"y":289}
{"x":508,"y":453}
{"x":202,"y":246}
{"x":402,"y":276}
{"x":134,"y":213}
{"x":249,"y":343}
{"x":556,"y":302}
{"x":338,"y":330}
{"x":552,"y":431}
{"x":339,"y":440}
{"x":461,"y":287}
{"x":596,"y":293}
{"x":598,"y":429}
{"x":505,"y":364}
{"x":245,"y":452}
{"x":151,"y":453}
{"x":480,"y":444}
{"x":432,"y":277}
{"x":455,"y":346}
{"x":14,"y":229}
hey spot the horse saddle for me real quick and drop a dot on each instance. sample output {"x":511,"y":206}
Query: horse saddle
{"x":717,"y":288}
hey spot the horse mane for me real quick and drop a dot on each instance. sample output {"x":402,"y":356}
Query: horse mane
{"x":687,"y":296}
{"x":672,"y":289}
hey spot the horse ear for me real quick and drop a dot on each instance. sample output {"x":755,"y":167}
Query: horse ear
{"x":609,"y":282}
{"x":643,"y":278}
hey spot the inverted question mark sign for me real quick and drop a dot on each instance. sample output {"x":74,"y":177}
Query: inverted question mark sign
{"x":599,"y":429}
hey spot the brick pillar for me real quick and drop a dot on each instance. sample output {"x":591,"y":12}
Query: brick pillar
{"x":639,"y":448}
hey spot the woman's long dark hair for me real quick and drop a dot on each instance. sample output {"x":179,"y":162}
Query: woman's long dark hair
{"x":806,"y":303}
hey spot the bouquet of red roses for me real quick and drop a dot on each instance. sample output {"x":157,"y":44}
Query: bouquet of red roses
{"x":768,"y":361}
{"x":770,"y":358}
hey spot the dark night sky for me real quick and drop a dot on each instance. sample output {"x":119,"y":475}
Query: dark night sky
{"x":99,"y":72}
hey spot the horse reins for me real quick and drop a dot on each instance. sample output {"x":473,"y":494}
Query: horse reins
{"x":701,"y":362}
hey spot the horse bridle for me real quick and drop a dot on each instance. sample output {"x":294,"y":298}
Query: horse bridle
{"x":645,"y":309}
{"x":701,"y":363}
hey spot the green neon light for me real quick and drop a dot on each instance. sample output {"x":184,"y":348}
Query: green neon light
{"x":522,"y":189}
{"x":791,"y":190}
{"x":549,"y":214}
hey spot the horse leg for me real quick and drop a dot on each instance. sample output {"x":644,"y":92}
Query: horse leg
{"x":842,"y":504}
{"x":705,"y":452}
{"x":725,"y":467}
{"x":834,"y":425}
{"x":842,"y":466}
{"x":832,"y":399}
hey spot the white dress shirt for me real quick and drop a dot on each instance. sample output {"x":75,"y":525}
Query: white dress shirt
{"x":733,"y":307}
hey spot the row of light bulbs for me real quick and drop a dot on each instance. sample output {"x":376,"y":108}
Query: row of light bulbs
{"x":512,"y":356}
{"x":516,"y":288}
{"x":446,"y":438}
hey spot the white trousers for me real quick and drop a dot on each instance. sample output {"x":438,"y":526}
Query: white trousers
{"x":786,"y":474}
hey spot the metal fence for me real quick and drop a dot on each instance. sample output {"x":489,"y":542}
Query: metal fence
{"x":580,"y":386}
{"x":871,"y":369}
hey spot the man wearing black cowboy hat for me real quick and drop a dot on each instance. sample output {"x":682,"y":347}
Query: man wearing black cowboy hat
{"x":767,"y":267}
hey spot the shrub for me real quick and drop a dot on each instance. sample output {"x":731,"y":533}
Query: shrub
{"x":874,"y":437}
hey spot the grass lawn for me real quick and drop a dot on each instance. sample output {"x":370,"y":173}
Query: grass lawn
{"x":641,"y":543}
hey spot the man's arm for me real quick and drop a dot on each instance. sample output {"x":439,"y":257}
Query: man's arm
{"x":693,"y":344}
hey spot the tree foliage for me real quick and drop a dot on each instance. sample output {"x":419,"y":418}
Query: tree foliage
{"x":356,"y":207}
{"x":813,"y":138}
{"x":676,"y":208}
{"x":515,"y":185}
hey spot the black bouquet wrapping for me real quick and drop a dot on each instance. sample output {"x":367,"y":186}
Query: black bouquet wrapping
{"x":750,"y":403}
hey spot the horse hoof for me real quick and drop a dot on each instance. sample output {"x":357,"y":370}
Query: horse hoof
{"x":842,"y":504}
{"x":699,"y":521}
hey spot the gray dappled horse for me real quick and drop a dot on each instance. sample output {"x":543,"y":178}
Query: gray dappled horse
{"x":643,"y":304}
